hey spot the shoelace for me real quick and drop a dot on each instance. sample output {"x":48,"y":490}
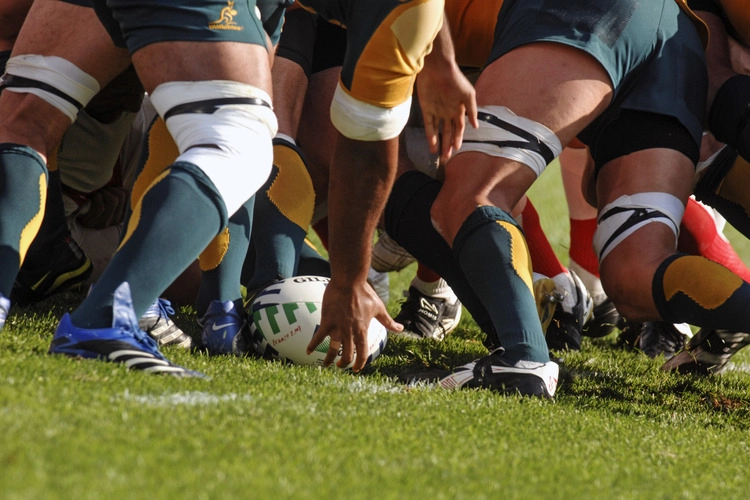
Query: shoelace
{"x":162,"y":307}
{"x":144,"y":338}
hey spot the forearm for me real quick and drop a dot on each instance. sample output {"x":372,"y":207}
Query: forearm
{"x":442,"y":57}
{"x":361,"y":177}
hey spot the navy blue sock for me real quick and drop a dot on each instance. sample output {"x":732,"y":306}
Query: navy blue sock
{"x":407,"y":220}
{"x":312,"y":263}
{"x":276,"y":242}
{"x":692,"y":289}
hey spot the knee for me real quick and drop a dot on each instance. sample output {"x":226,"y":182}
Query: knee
{"x":635,"y":233}
{"x":226,"y":141}
{"x":438,"y":214}
{"x":29,"y":121}
{"x":448,"y":213}
{"x":628,"y":272}
{"x":42,"y":94}
{"x":630,"y":292}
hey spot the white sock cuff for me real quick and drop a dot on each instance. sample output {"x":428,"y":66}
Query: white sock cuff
{"x":438,"y":289}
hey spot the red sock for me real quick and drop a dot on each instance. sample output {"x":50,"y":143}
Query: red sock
{"x":581,"y":244}
{"x":426,"y":274}
{"x":700,"y":236}
{"x":543,"y":258}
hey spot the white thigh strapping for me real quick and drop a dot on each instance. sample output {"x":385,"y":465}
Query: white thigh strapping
{"x":504,"y":134}
{"x":56,"y":72}
{"x":242,"y":156}
{"x":627,"y":214}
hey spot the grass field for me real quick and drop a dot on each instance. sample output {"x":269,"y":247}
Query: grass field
{"x":618,"y":427}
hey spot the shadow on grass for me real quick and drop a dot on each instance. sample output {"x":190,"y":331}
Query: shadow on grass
{"x":601,"y":376}
{"x":628,"y":382}
{"x":413,"y":360}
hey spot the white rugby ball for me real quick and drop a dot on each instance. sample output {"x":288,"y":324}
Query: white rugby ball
{"x":285,"y":316}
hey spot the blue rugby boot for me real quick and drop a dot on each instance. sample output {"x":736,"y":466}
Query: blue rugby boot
{"x":124,"y":343}
{"x":223,"y":328}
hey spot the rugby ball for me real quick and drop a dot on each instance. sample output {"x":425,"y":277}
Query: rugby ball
{"x":285,"y":316}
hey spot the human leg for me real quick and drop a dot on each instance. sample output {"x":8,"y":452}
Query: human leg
{"x":574,"y":307}
{"x":583,"y":259}
{"x":35,"y":118}
{"x":664,"y":284}
{"x":84,"y":163}
{"x":520,"y":25}
{"x":161,"y":71}
{"x":213,"y":139}
{"x":498,"y":183}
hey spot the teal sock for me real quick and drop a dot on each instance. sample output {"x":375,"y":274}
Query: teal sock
{"x":54,"y":226}
{"x":276,"y":242}
{"x":23,"y":184}
{"x":176,"y":219}
{"x":408,"y":221}
{"x":492,"y":252}
{"x":312,"y":263}
{"x":223,"y":282}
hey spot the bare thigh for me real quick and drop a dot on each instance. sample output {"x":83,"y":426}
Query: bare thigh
{"x":12,"y":14}
{"x":560,"y":87}
{"x":74,"y":33}
{"x":201,"y":61}
{"x":55,"y":28}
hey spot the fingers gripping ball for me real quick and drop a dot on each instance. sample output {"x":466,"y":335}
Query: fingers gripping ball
{"x":286,"y":315}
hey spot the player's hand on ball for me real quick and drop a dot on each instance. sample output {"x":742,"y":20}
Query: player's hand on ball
{"x":347,"y":312}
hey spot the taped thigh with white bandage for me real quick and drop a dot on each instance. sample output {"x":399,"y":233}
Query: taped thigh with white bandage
{"x":504,"y":134}
{"x":627,"y":214}
{"x":53,"y":79}
{"x":223,"y":127}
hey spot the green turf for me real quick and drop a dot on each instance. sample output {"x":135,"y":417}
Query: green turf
{"x":618,"y":428}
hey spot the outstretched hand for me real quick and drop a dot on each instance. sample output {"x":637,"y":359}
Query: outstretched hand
{"x":346,"y":315}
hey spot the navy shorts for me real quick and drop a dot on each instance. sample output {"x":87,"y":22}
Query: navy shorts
{"x":651,"y":51}
{"x":137,"y":23}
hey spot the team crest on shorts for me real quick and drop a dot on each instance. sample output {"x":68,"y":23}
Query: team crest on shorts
{"x":226,"y":19}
